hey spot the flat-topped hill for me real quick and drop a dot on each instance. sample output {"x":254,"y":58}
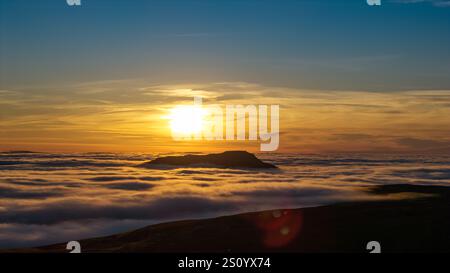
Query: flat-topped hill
{"x":230,"y":159}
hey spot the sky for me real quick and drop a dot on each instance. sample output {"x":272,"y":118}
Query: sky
{"x":348,"y":77}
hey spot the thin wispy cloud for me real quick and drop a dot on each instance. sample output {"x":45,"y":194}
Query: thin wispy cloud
{"x":436,"y":3}
{"x":106,"y":115}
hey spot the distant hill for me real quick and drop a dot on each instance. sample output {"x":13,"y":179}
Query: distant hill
{"x":230,"y":159}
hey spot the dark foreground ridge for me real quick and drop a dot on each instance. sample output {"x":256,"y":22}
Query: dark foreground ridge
{"x":231,"y":159}
{"x":412,"y":225}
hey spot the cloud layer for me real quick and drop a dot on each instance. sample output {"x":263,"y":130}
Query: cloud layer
{"x":61,"y":197}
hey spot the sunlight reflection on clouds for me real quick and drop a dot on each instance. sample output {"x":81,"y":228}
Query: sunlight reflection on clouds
{"x":56,"y":197}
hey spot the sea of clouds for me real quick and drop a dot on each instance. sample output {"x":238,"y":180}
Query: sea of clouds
{"x":51,"y":198}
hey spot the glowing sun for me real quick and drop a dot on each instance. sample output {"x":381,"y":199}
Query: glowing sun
{"x":187,"y":120}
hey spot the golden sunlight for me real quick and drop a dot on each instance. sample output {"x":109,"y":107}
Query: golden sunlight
{"x":187,"y":119}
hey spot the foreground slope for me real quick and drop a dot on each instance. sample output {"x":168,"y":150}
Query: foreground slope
{"x":411,"y":225}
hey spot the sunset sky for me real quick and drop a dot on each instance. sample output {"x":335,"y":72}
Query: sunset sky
{"x":102,"y":77}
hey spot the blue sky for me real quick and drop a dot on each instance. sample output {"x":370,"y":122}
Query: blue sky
{"x":101,"y":77}
{"x":314,"y":44}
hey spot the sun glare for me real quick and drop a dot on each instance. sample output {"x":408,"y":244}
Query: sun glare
{"x":187,"y":119}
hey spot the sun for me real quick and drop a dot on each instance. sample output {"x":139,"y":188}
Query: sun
{"x":187,"y":120}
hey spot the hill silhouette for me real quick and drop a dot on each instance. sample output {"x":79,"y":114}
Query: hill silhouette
{"x":230,"y":159}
